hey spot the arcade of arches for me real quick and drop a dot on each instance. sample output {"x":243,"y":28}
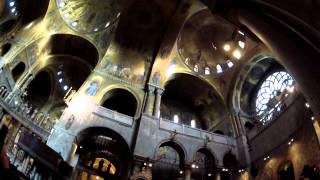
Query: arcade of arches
{"x":159,"y":89}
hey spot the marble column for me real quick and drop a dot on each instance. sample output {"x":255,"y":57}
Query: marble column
{"x":156,"y":109}
{"x":72,"y":153}
{"x":150,"y":91}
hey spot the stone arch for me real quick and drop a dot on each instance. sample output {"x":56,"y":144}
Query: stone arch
{"x":103,"y":143}
{"x":205,"y":162}
{"x":165,"y":159}
{"x":286,"y":170}
{"x":198,"y":101}
{"x":114,"y":91}
{"x":230,"y":161}
{"x":40,"y":88}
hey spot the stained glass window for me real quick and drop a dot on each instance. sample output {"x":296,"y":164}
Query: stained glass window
{"x":271,"y":90}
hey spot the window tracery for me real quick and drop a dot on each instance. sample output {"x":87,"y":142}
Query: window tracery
{"x":271,"y":93}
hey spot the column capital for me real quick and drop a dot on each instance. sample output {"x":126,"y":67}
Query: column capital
{"x":151,"y":88}
{"x":159,"y":91}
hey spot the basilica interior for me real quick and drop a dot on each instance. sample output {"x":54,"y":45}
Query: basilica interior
{"x":160,"y":89}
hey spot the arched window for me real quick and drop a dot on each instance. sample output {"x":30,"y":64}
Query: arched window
{"x":270,"y":92}
{"x":122,"y":101}
{"x":18,"y":70}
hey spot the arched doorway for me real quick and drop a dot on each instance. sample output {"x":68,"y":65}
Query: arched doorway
{"x":103,"y":154}
{"x":122,"y":101}
{"x":230,"y":163}
{"x":18,"y":70}
{"x":205,"y":163}
{"x":169,"y":162}
{"x":286,"y":171}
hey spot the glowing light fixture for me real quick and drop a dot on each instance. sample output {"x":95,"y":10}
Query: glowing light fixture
{"x":240,"y":32}
{"x":193,"y":123}
{"x":96,"y":29}
{"x":13,"y":10}
{"x":196,"y":68}
{"x":108,"y":23}
{"x":66,"y":15}
{"x":187,"y":60}
{"x":312,"y":118}
{"x":62,"y":4}
{"x":176,"y":118}
{"x":11,"y":4}
{"x":219,"y":68}
{"x":118,"y":15}
{"x":74,"y":23}
{"x":181,"y":172}
{"x":236,"y":54}
{"x":207,"y":70}
{"x":241,"y":44}
{"x":226,"y":47}
{"x":307,"y":105}
{"x":65,"y":87}
{"x":230,"y":64}
{"x":60,"y":80}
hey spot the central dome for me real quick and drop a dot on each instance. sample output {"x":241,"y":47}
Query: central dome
{"x":89,"y":15}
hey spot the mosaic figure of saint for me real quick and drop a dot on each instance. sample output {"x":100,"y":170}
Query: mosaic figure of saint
{"x":93,"y":88}
{"x":156,"y":78}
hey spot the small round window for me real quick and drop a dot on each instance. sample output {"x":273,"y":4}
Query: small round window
{"x":270,"y":93}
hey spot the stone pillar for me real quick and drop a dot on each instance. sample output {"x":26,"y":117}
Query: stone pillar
{"x":218,"y":176}
{"x":187,"y":173}
{"x":72,"y":153}
{"x":150,"y":92}
{"x":295,"y":53}
{"x":157,"y":103}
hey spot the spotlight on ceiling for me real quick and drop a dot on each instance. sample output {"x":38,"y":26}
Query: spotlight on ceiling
{"x":237,"y":54}
{"x":230,"y":64}
{"x":226,"y":47}
{"x":219,"y":68}
{"x":241,"y":44}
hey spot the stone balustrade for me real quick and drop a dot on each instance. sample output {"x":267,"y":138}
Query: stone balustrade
{"x":30,"y":117}
{"x":186,"y":130}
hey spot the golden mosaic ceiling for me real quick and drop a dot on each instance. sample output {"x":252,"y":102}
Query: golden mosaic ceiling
{"x":89,"y":15}
{"x":209,"y":44}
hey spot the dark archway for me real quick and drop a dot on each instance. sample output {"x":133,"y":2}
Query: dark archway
{"x":230,"y":162}
{"x":102,"y":153}
{"x":195,"y":103}
{"x":39,"y":90}
{"x":69,"y":62}
{"x":7,"y":26}
{"x":122,"y":101}
{"x":5,"y":49}
{"x":170,"y":160}
{"x":18,"y":70}
{"x":286,"y":171}
{"x":205,"y":163}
